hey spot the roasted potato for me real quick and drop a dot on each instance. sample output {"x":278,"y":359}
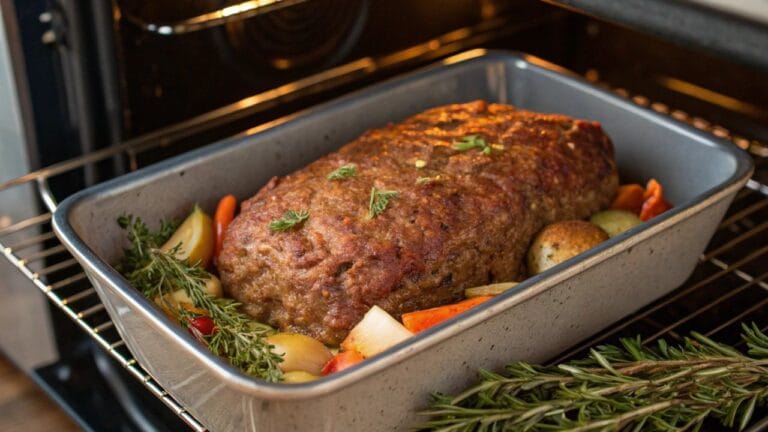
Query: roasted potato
{"x":194,"y":239}
{"x":615,"y":222}
{"x":561,"y":241}
{"x":298,"y":377}
{"x":300,"y":352}
{"x":171,"y":302}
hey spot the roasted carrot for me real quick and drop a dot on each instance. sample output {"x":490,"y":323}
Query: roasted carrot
{"x":653,"y":201}
{"x":426,"y":318}
{"x":629,"y":197}
{"x":341,"y":361}
{"x":225,"y":212}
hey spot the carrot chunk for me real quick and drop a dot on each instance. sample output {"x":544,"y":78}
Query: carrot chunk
{"x":225,"y":212}
{"x":426,"y":318}
{"x":653,"y":201}
{"x":629,"y":197}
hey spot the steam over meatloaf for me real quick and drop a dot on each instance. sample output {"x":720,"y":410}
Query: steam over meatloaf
{"x":464,"y":219}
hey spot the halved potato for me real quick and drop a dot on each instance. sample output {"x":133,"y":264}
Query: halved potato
{"x":195,"y":239}
{"x":300,"y":352}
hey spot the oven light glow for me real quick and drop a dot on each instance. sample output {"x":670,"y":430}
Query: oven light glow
{"x":240,"y":8}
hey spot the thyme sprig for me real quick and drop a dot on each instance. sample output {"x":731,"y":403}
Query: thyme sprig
{"x":157,"y":273}
{"x":290,"y":219}
{"x":626,"y":388}
{"x":342,"y":172}
{"x":379,"y":201}
{"x":470,"y":142}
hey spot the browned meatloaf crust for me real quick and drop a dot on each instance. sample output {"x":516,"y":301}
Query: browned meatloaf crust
{"x":469,"y":225}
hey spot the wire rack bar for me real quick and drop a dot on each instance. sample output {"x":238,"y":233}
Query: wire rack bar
{"x":24,"y":224}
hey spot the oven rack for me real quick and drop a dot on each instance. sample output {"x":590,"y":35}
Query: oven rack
{"x":730,"y":284}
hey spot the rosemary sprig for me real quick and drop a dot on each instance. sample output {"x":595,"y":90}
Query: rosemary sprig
{"x":157,"y":273}
{"x":342,"y":172}
{"x":290,"y":219}
{"x":626,"y":388}
{"x":470,"y":142}
{"x":379,"y":201}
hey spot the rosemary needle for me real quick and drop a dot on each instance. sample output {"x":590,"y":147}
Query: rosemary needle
{"x":379,"y":201}
{"x":290,"y":219}
{"x":470,"y":142}
{"x":342,"y":172}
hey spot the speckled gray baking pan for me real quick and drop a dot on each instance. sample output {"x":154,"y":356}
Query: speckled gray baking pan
{"x":542,"y":316}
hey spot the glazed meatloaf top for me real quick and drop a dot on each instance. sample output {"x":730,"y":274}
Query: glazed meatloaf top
{"x":474,"y":184}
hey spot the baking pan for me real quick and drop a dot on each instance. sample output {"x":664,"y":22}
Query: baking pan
{"x":542,"y":316}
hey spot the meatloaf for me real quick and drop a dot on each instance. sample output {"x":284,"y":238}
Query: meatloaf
{"x":464,"y":215}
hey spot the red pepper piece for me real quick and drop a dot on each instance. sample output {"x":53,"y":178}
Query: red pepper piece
{"x":341,"y":361}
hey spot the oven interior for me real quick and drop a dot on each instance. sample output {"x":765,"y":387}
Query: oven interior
{"x":157,"y":80}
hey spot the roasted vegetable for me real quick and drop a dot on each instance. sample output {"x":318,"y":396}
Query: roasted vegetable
{"x":375,"y":333}
{"x":170,"y":303}
{"x":561,"y":241}
{"x":193,"y":240}
{"x":299,"y":352}
{"x":225,"y":212}
{"x":615,"y":222}
{"x":298,"y":377}
{"x":654,"y":203}
{"x":201,"y":326}
{"x":488,"y":290}
{"x":423,"y":319}
{"x":341,"y":361}
{"x":629,"y":197}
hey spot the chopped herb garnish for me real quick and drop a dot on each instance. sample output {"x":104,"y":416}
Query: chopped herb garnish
{"x":379,"y":201}
{"x":340,"y":173}
{"x":290,"y":219}
{"x":470,"y":142}
{"x":422,"y":180}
